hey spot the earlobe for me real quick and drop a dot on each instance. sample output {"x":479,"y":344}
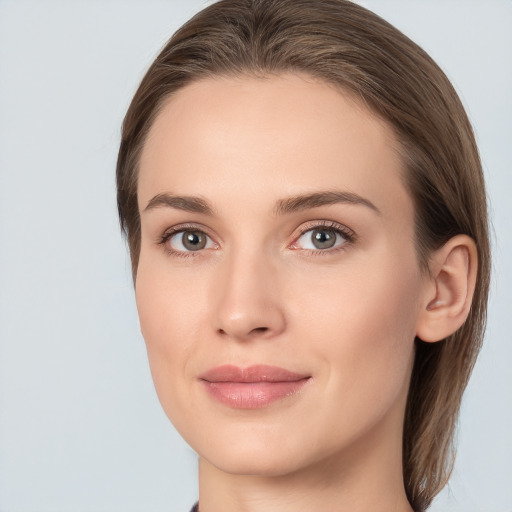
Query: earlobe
{"x":449,"y":289}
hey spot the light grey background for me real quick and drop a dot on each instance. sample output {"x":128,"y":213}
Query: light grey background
{"x":80,"y":425}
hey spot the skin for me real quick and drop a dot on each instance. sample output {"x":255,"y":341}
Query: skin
{"x":261,"y":293}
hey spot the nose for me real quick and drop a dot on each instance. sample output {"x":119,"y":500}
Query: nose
{"x":248,"y":299}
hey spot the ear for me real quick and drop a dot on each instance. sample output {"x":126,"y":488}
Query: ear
{"x":449,"y":289}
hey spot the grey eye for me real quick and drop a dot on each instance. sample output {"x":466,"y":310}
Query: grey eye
{"x":323,"y":238}
{"x":193,"y":240}
{"x":185,"y":241}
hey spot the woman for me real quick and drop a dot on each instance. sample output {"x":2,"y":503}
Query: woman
{"x":306,"y":216}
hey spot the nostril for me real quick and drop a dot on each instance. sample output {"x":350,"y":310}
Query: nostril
{"x":259,"y":329}
{"x":250,"y":333}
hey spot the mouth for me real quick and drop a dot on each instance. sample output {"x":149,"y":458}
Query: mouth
{"x":253,"y":387}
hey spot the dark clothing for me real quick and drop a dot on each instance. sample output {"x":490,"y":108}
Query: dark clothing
{"x":195,"y":508}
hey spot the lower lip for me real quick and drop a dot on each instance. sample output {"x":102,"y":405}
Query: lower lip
{"x":252,"y":395}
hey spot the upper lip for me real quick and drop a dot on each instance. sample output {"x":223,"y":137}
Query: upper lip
{"x":256,"y":373}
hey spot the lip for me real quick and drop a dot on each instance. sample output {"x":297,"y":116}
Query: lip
{"x":253,"y":387}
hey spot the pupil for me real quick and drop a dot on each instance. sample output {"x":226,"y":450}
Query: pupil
{"x":193,"y":240}
{"x":323,"y":239}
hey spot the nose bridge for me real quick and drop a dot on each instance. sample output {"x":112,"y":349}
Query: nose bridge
{"x":247,"y":298}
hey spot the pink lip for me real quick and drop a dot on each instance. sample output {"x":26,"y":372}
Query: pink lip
{"x":253,"y":387}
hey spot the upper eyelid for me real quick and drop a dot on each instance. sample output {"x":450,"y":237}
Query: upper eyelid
{"x":328,"y":224}
{"x":180,"y":228}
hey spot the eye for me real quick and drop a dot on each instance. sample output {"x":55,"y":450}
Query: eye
{"x":189,"y":240}
{"x":322,"y":238}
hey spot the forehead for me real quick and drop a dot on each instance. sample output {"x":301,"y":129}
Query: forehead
{"x":269,"y":137}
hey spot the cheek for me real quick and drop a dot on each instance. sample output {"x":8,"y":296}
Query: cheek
{"x":168,"y":315}
{"x":169,"y":304}
{"x":363,"y":322}
{"x":378,"y":296}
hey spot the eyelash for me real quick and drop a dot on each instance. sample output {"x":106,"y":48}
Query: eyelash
{"x":168,"y":234}
{"x":343,"y":231}
{"x":346,"y":233}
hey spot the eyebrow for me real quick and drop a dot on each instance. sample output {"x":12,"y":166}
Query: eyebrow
{"x":316,"y":199}
{"x":185,"y":203}
{"x":283,"y":206}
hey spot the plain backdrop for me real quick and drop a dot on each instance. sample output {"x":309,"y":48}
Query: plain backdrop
{"x":80,"y":425}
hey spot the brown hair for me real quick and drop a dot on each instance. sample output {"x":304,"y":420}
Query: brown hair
{"x":347,"y":45}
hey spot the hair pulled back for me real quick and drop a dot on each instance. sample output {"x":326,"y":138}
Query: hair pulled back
{"x":346,"y":45}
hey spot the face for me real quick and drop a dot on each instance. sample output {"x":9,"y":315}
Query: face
{"x":278,"y":287}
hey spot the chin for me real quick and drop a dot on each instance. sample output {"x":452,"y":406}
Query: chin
{"x":258,"y":462}
{"x":249,"y":450}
